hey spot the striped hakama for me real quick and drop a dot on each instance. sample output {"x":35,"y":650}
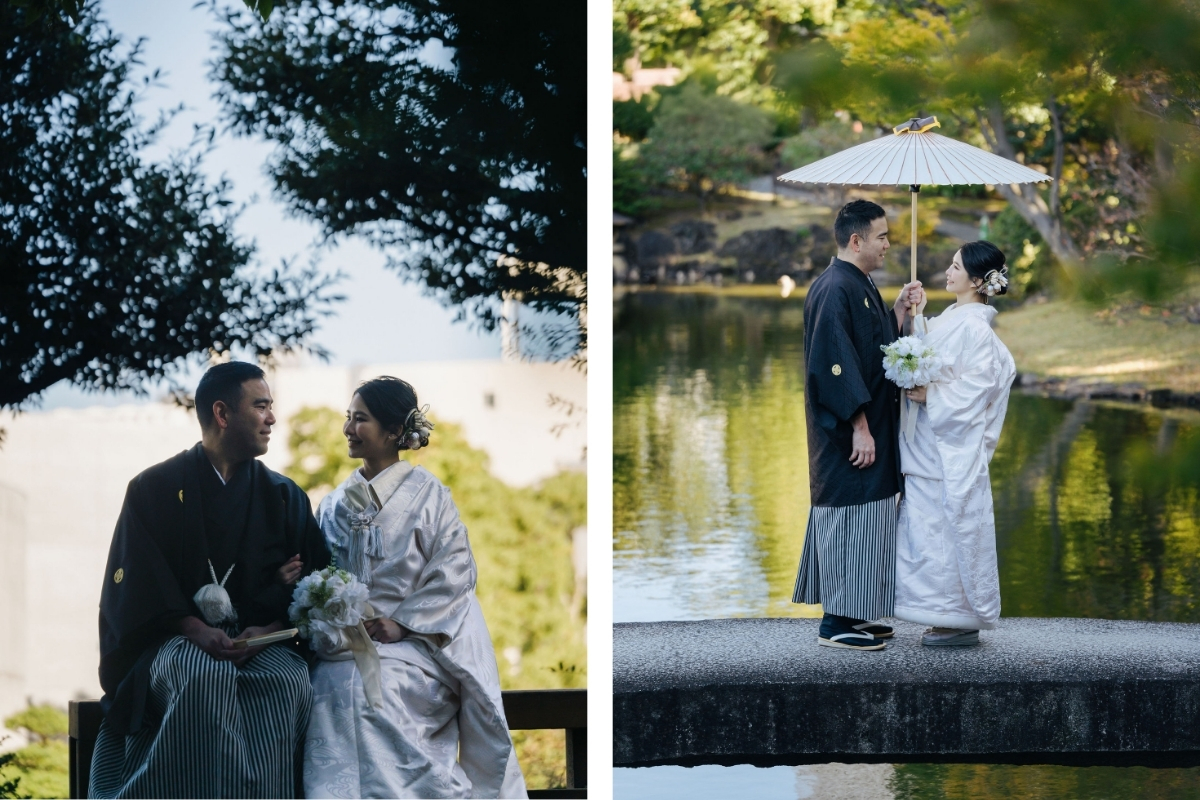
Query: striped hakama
{"x":211,"y":729}
{"x":849,"y":560}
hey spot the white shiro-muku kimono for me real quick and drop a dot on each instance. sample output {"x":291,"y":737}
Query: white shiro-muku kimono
{"x":946,"y":573}
{"x":440,"y":731}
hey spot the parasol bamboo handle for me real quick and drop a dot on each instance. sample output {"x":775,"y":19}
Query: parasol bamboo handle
{"x":913,"y":259}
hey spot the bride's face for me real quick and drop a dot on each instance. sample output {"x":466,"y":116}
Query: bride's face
{"x":957,"y":279}
{"x":365,"y":436}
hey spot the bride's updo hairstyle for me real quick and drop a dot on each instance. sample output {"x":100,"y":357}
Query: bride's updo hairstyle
{"x":394,"y":403}
{"x":984,"y":262}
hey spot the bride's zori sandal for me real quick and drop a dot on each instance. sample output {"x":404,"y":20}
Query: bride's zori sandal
{"x":949,"y":637}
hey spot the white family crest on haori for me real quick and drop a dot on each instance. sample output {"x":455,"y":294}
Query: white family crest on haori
{"x":909,"y":362}
{"x":329,"y":608}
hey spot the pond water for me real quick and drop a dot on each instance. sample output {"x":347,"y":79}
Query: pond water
{"x":1097,"y":515}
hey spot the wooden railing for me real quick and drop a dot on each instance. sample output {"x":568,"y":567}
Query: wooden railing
{"x":536,"y":709}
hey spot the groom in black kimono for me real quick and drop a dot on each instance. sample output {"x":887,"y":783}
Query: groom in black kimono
{"x":188,"y":714}
{"x":852,"y":410}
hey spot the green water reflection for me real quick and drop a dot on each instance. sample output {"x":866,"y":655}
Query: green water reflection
{"x":1097,"y":506}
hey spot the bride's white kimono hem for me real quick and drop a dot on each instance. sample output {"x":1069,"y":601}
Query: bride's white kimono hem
{"x":440,"y":731}
{"x":946,"y":570}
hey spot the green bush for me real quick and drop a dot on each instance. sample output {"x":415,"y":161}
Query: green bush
{"x":819,"y":141}
{"x":633,"y":118}
{"x":8,"y":781}
{"x":1030,"y":265}
{"x":702,"y":143}
{"x":44,"y":722}
{"x":633,"y":191}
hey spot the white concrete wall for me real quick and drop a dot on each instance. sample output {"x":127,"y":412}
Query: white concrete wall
{"x":515,"y":428}
{"x":72,"y":467}
{"x":12,"y":601}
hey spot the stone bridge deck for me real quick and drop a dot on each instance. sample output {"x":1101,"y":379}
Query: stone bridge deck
{"x":1035,"y":691}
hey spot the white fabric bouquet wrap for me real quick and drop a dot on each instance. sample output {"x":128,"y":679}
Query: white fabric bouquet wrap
{"x":329,"y":608}
{"x":908,"y":362}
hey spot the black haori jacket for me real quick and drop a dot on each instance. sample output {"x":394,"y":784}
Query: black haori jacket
{"x":158,"y":560}
{"x":845,"y":324}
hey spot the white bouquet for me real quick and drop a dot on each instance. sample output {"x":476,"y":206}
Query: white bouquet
{"x":908,"y":362}
{"x":329,"y":608}
{"x":325,"y":604}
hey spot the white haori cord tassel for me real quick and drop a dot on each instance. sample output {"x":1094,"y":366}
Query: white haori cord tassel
{"x":365,"y":539}
{"x":213,"y":601}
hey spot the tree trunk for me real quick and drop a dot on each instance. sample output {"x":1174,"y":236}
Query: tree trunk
{"x":1046,"y":219}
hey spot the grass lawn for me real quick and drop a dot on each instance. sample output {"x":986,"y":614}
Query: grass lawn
{"x":1065,"y":340}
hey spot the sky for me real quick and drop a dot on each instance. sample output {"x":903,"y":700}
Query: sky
{"x":382,"y":319}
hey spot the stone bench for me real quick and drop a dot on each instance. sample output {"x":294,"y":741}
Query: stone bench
{"x":535,"y":709}
{"x":1035,"y":691}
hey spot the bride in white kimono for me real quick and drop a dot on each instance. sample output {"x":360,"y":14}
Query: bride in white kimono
{"x":946,"y":574}
{"x":440,"y":730}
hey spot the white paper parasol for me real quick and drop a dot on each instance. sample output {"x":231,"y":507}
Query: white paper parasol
{"x":917,"y":157}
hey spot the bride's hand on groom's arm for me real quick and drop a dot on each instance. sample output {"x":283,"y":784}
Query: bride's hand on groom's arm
{"x":290,"y":571}
{"x":384,"y":630}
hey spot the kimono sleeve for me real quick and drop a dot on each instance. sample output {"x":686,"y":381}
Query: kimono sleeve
{"x":957,"y":401}
{"x":141,"y":593}
{"x":441,"y":596}
{"x":834,"y":373}
{"x":304,"y":536}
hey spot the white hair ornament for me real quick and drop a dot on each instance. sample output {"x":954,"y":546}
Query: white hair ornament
{"x":417,"y":428}
{"x":994,"y":282}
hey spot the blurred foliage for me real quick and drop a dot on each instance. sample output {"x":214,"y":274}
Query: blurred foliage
{"x":633,"y":118}
{"x":1101,"y":95}
{"x":702,"y":143}
{"x":521,"y":539}
{"x":817,"y":142}
{"x":395,"y":120}
{"x":40,"y":769}
{"x":9,"y":783}
{"x":114,"y":269}
{"x":1029,"y":262}
{"x":634,"y":192}
{"x":44,"y":722}
{"x":43,"y":770}
{"x":1041,"y":782}
{"x":730,"y":41}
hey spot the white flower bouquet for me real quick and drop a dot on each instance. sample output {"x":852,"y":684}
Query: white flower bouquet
{"x":325,"y":604}
{"x":329,"y":608}
{"x":908,"y":362}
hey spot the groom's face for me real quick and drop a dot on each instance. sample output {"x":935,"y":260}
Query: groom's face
{"x":869,"y":249}
{"x":249,"y":426}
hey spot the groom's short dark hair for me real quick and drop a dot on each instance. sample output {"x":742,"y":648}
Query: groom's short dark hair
{"x":223,"y":382}
{"x":855,"y":217}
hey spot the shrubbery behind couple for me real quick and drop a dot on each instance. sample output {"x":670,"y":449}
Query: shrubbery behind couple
{"x":188,"y":714}
{"x":901,"y":526}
